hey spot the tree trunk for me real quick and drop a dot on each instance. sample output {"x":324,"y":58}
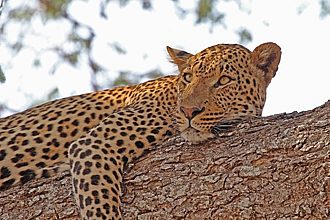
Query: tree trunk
{"x":276,"y":167}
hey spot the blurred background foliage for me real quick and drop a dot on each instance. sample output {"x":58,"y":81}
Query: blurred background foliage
{"x":78,"y":46}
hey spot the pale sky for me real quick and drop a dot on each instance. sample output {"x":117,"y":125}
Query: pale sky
{"x":302,"y":81}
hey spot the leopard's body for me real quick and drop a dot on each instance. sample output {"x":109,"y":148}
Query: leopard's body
{"x":96,"y":134}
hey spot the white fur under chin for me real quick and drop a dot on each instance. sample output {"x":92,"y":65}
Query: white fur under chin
{"x":195,"y":136}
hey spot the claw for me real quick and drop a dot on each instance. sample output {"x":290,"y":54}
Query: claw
{"x":225,"y":125}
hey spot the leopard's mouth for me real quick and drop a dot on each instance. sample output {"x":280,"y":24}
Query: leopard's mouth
{"x":194,"y":135}
{"x":188,"y":130}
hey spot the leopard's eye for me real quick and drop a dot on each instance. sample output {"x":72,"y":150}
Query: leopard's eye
{"x":222,"y":81}
{"x":187,"y":77}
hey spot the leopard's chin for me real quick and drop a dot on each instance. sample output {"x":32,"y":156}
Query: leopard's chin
{"x":195,"y":136}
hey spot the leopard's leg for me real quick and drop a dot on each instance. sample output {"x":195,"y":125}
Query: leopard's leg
{"x":97,"y":159}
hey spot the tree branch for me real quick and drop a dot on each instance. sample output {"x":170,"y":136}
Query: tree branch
{"x":270,"y":168}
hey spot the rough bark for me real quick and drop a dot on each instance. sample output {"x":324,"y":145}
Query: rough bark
{"x":276,"y":167}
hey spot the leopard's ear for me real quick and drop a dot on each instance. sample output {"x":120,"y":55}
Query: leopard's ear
{"x":266,"y":57}
{"x":179,"y":57}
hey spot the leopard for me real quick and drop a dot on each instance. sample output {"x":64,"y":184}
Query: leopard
{"x":95,"y":135}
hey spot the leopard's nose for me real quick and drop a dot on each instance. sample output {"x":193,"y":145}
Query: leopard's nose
{"x":191,"y":112}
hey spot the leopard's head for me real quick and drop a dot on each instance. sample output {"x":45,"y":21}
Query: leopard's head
{"x":221,"y":83}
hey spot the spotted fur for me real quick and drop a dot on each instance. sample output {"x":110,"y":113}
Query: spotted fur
{"x":96,"y":134}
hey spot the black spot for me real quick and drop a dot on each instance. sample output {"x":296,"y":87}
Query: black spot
{"x":88,"y":201}
{"x":154,"y":131}
{"x":35,"y":133}
{"x":115,"y":199}
{"x":46,"y":157}
{"x":63,"y":135}
{"x":4,"y":172}
{"x":114,"y":191}
{"x":38,"y":140}
{"x":32,"y":151}
{"x":97,"y":201}
{"x":106,"y":166}
{"x":106,"y":207}
{"x":41,"y":165}
{"x":87,"y":120}
{"x":108,"y":179}
{"x":132,"y":137}
{"x":88,"y":141}
{"x":82,"y":155}
{"x":2,"y":154}
{"x":86,"y":171}
{"x":81,"y":141}
{"x":7,"y":184}
{"x":49,"y":127}
{"x":115,"y":174}
{"x":45,"y":174}
{"x":125,"y":160}
{"x":17,"y":158}
{"x":55,"y":142}
{"x":141,"y":129}
{"x":60,"y":128}
{"x":93,"y":134}
{"x":118,"y":123}
{"x":96,"y":157}
{"x":47,"y":135}
{"x":55,"y":156}
{"x":14,"y":148}
{"x":93,"y":115}
{"x":25,"y":142}
{"x":95,"y":179}
{"x":99,"y":213}
{"x":120,"y":143}
{"x":72,"y":148}
{"x":75,"y":122}
{"x":45,"y":150}
{"x":151,"y":138}
{"x":94,"y":146}
{"x":89,"y":213}
{"x":123,"y":134}
{"x":168,"y":133}
{"x":81,"y":113}
{"x":88,"y":164}
{"x":139,"y":144}
{"x":95,"y":193}
{"x":27,"y":175}
{"x":115,"y":210}
{"x":105,"y":191}
{"x":121,"y":150}
{"x":88,"y":152}
{"x":74,"y":133}
{"x":81,"y":201}
{"x":113,"y":161}
{"x":105,"y":151}
{"x":76,"y":167}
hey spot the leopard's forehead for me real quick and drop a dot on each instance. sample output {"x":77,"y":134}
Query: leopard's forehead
{"x":218,"y":56}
